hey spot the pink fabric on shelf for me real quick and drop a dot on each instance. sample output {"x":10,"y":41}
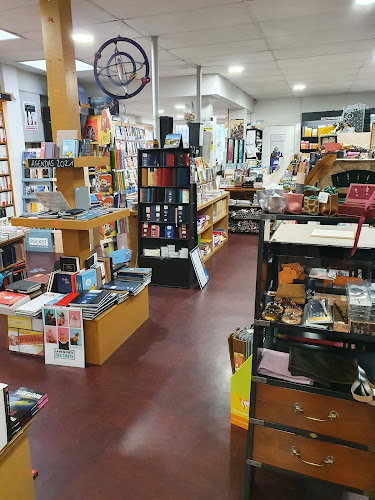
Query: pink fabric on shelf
{"x":275,"y":364}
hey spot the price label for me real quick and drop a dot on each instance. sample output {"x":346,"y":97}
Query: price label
{"x":323,"y":197}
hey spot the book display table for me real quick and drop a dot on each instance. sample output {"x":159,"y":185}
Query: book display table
{"x":15,"y":468}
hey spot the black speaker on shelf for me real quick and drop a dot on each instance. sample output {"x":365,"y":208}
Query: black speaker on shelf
{"x":166,"y":127}
{"x":194,"y":130}
{"x":46,"y":119}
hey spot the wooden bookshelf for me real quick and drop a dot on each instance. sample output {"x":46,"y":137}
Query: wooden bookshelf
{"x":4,"y":98}
{"x":219,"y":206}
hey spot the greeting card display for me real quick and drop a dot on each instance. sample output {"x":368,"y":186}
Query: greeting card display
{"x":63,"y":336}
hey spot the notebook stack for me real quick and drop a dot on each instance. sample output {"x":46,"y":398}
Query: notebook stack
{"x":34,"y":307}
{"x":93,"y":302}
{"x":133,"y":280}
{"x":9,"y":302}
{"x":118,"y":286}
{"x":24,"y":404}
{"x":42,"y":279}
{"x":28,"y":287}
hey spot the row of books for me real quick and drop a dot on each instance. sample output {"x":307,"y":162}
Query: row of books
{"x":129,"y":132}
{"x":1,"y":119}
{"x":14,"y":273}
{"x":3,"y":151}
{"x":3,"y":136}
{"x":178,"y":177}
{"x":166,"y":252}
{"x":6,"y":198}
{"x":155,"y":231}
{"x":4,"y":182}
{"x":4,"y":167}
{"x":168,"y":195}
{"x":10,"y":254}
{"x":165,"y":213}
{"x":31,"y":190}
{"x":125,"y":182}
{"x":166,"y":159}
{"x":39,"y":173}
{"x":16,"y":409}
{"x":130,"y":148}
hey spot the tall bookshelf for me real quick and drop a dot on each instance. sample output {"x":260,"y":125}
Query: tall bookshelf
{"x":6,"y":186}
{"x":167,"y":210}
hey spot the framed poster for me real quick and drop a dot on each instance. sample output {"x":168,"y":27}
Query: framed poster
{"x":199,"y":267}
{"x":31,"y":117}
{"x":237,"y":129}
{"x":63,"y":336}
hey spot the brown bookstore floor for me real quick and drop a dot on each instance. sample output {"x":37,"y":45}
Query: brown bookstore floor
{"x":153,"y":421}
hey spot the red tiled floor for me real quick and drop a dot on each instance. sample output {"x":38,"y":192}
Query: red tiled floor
{"x":153,"y":421}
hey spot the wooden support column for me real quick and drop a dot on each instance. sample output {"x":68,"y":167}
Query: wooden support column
{"x":76,"y":243}
{"x":56,"y":18}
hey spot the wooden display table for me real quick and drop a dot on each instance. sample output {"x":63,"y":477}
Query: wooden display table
{"x":16,"y":476}
{"x":106,"y":333}
{"x":75,"y":233}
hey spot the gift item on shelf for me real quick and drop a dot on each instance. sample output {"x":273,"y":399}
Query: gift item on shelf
{"x":328,"y":201}
{"x":310,"y":205}
{"x":240,"y":344}
{"x":294,"y":203}
{"x":276,"y":365}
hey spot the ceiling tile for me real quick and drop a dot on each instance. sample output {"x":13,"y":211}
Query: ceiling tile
{"x":21,"y":19}
{"x":197,"y":38}
{"x":334,"y":48}
{"x":86,"y":12}
{"x":237,"y":59}
{"x":220,"y":17}
{"x":355,"y":59}
{"x":222,"y":49}
{"x":133,"y":8}
{"x":273,"y":9}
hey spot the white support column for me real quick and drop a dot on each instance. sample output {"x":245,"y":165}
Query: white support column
{"x":155,"y":86}
{"x":15,"y":132}
{"x":199,"y":95}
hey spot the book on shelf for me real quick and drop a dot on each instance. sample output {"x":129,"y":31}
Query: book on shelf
{"x":5,"y":423}
{"x":3,"y":137}
{"x":3,"y":151}
{"x":24,"y":404}
{"x":4,"y":167}
{"x":69,"y":264}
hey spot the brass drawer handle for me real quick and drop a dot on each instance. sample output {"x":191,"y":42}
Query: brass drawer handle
{"x":297,"y":408}
{"x":327,"y":461}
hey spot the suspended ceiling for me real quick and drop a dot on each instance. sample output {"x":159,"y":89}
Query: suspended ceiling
{"x":327,"y":44}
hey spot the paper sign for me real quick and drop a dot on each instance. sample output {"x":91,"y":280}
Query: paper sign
{"x":199,"y":267}
{"x":323,"y":197}
{"x":63,"y":336}
{"x":31,"y":118}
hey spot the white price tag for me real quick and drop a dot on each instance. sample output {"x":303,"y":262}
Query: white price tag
{"x":323,"y":197}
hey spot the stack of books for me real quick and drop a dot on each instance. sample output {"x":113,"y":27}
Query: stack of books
{"x":9,"y":302}
{"x":140,"y":274}
{"x":34,"y":307}
{"x":27,"y":287}
{"x":24,"y":403}
{"x":94,"y":302}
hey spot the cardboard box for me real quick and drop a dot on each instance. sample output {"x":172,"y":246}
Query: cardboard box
{"x":13,"y":339}
{"x":19,"y":322}
{"x":240,"y":384}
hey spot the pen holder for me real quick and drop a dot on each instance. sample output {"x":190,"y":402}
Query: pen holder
{"x":331,"y":207}
{"x":294,"y":203}
{"x":311,"y":205}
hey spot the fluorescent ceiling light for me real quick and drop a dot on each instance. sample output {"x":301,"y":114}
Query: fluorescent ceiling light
{"x":180,"y":106}
{"x":41,"y":64}
{"x":5,"y":35}
{"x":236,"y":69}
{"x":364,"y":2}
{"x":161,"y":111}
{"x":83,"y":38}
{"x":299,"y":86}
{"x":180,"y":117}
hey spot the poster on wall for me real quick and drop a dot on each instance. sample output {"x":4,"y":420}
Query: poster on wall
{"x":31,"y":117}
{"x":277,"y":148}
{"x":237,"y":129}
{"x":63,"y":336}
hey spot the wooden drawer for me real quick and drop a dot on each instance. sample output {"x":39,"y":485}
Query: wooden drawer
{"x":351,"y":468}
{"x":354,"y":421}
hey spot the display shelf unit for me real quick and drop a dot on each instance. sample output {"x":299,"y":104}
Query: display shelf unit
{"x":28,"y":184}
{"x":289,"y":430}
{"x":6,"y":176}
{"x":217,"y":210}
{"x":235,"y":226}
{"x":173,"y":272}
{"x":11,"y":241}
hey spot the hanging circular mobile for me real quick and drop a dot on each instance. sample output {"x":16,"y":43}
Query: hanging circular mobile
{"x":121,"y":62}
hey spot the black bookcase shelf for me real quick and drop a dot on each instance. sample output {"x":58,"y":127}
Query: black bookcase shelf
{"x":172,"y":272}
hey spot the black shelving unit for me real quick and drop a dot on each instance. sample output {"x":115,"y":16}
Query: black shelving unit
{"x":290,"y":428}
{"x":172,"y":272}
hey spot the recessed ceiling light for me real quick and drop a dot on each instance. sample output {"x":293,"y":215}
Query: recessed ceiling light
{"x":180,"y":117}
{"x":161,"y":111}
{"x":299,"y":86}
{"x":83,"y":38}
{"x":236,"y":69}
{"x":364,"y":2}
{"x":5,"y":35}
{"x":41,"y":64}
{"x":180,"y":106}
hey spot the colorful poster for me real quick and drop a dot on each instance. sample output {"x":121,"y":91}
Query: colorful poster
{"x":237,"y":129}
{"x":63,"y":336}
{"x":31,"y":118}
